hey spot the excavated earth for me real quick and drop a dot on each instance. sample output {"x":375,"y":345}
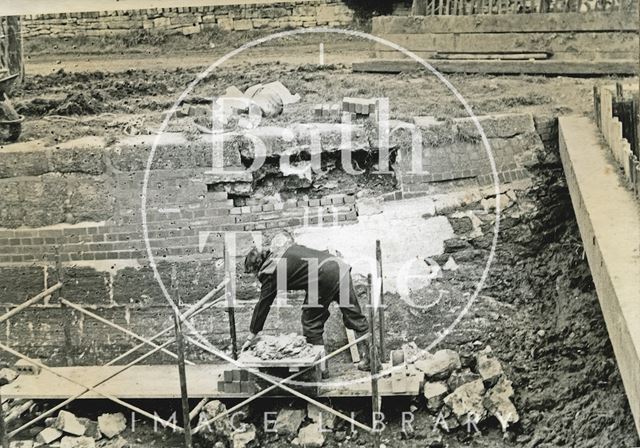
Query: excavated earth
{"x":538,"y":310}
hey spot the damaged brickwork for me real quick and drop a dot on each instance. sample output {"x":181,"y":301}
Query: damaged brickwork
{"x":78,"y":203}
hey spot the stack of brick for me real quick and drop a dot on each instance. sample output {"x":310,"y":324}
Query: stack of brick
{"x":359,"y":106}
{"x":237,"y":381}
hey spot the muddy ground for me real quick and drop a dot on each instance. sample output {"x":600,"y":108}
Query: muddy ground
{"x":539,"y":311}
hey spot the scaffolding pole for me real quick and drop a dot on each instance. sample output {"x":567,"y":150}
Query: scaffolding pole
{"x":373,"y":361}
{"x":184,"y":393}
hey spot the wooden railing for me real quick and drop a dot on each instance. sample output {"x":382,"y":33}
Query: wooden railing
{"x":471,"y":7}
{"x":616,"y":115}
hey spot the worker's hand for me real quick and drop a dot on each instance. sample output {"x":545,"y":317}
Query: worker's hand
{"x":252,"y":339}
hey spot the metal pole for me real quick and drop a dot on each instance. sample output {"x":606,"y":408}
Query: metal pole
{"x":373,"y":358}
{"x":381,"y":304}
{"x":231,"y":300}
{"x":182,"y":371}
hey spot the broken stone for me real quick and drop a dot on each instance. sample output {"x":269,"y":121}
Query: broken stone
{"x":311,"y":436}
{"x":497,"y":401}
{"x":450,"y":265}
{"x":112,"y":424}
{"x":244,"y":436}
{"x":439,"y":365}
{"x":69,"y":423}
{"x":77,"y":442}
{"x":221,"y":427}
{"x":48,"y":435}
{"x":91,"y":428}
{"x":489,"y":368}
{"x":316,"y":415}
{"x":434,"y":394}
{"x":288,"y":421}
{"x":465,"y":376}
{"x":466,"y":402}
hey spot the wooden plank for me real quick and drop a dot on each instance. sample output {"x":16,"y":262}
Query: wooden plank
{"x":609,"y":223}
{"x":515,"y":56}
{"x":571,"y":44}
{"x":355,"y":354}
{"x":551,"y":67}
{"x":161,"y":382}
{"x":508,"y":23}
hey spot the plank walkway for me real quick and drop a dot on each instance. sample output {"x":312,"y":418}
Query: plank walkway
{"x":162,"y":382}
{"x":550,"y":67}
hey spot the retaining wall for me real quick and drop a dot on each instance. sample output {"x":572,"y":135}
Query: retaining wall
{"x":190,"y":20}
{"x":569,"y":36}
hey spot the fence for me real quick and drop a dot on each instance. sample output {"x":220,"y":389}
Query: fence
{"x":473,"y":7}
{"x":616,"y":115}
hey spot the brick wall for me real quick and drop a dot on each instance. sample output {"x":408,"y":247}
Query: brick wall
{"x":77,"y":205}
{"x":454,"y":153}
{"x":191,"y":20}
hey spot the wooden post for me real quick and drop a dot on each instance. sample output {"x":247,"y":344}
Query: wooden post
{"x":381,"y":304}
{"x":15,"y":62}
{"x":373,"y":358}
{"x":182,"y":372}
{"x":4,"y":439}
{"x":229,"y":272}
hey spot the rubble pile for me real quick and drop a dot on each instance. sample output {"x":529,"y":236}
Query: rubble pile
{"x":69,"y":431}
{"x":278,"y":347}
{"x":469,"y":391}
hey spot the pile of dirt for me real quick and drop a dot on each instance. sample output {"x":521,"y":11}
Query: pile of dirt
{"x":554,"y":339}
{"x":75,"y":103}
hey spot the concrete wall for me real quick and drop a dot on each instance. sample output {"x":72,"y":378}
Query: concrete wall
{"x":570,"y":36}
{"x":609,"y":220}
{"x":190,"y":20}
